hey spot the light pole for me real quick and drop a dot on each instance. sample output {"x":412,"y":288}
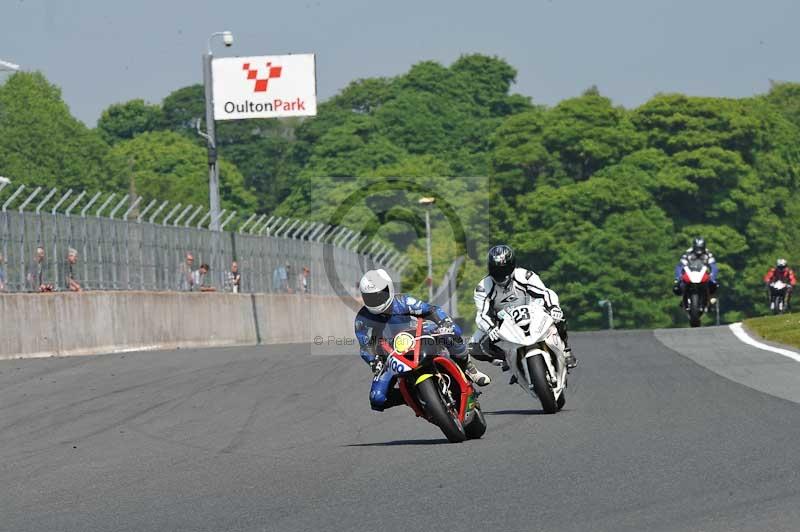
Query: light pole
{"x":427,"y":203}
{"x":7,"y":65}
{"x":211,"y":137}
{"x":606,"y":302}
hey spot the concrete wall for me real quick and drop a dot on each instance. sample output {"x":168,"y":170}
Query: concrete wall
{"x":64,"y":324}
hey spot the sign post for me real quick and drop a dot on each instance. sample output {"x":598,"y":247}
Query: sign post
{"x":213,"y":169}
{"x":239,"y":88}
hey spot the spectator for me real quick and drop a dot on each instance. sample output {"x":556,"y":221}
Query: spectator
{"x":280,"y":279}
{"x":37,"y":273}
{"x":186,"y":274}
{"x":289,"y":281}
{"x":2,"y":273}
{"x":70,"y":282}
{"x":304,"y":281}
{"x":200,"y":279}
{"x":234,"y":278}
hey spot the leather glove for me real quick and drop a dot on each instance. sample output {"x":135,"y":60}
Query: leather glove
{"x":676,"y":287}
{"x":446,"y":327}
{"x":557,"y":314}
{"x":376,"y":365}
{"x":493,"y":334}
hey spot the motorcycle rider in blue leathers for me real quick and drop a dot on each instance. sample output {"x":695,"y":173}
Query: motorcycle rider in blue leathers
{"x":383,"y":308}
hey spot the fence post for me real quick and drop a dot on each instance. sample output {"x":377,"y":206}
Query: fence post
{"x":105,"y":204}
{"x":181,"y":215}
{"x":193,"y":215}
{"x":203,"y":219}
{"x":158,"y":211}
{"x":45,"y":200}
{"x":245,"y":224}
{"x":74,"y":202}
{"x":165,"y":221}
{"x":130,"y":209}
{"x":145,"y":210}
{"x":254,"y":227}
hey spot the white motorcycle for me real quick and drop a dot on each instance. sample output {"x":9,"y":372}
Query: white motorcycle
{"x":777,"y":296}
{"x":534,"y":351}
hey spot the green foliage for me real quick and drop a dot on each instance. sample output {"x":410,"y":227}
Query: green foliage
{"x":42,"y":143}
{"x":600,"y":200}
{"x":167,"y":166}
{"x":124,"y":121}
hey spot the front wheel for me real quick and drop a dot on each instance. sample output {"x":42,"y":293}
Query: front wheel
{"x":537,"y":370}
{"x":695,"y":312}
{"x":476,"y":426}
{"x":434,"y":405}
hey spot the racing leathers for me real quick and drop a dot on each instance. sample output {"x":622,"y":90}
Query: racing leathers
{"x":491,"y":297}
{"x":786,"y":275}
{"x":371,"y":328}
{"x":707,"y":258}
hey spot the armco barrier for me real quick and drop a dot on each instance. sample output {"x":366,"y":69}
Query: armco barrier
{"x":65,"y":324}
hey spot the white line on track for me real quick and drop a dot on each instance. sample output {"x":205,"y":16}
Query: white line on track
{"x":739,"y":332}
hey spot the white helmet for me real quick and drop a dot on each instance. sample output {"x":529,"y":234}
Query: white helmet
{"x":377,"y":290}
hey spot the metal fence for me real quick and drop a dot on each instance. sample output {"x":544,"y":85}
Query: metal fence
{"x":126,"y":243}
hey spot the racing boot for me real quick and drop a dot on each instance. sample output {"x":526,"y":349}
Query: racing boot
{"x":570,"y":359}
{"x":474,"y":374}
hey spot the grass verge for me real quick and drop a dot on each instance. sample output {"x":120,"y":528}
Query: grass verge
{"x":784,"y":329}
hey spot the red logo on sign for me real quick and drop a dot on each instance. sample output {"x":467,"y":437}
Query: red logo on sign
{"x":273,"y":72}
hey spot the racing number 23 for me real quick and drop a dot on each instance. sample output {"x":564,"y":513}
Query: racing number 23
{"x":520,"y":314}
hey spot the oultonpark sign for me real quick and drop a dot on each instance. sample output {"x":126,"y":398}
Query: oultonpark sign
{"x":264,"y":86}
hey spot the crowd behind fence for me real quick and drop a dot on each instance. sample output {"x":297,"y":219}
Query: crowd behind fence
{"x":125,"y":243}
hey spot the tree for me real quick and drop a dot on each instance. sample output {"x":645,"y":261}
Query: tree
{"x":124,"y":121}
{"x":167,"y":166}
{"x":42,"y":143}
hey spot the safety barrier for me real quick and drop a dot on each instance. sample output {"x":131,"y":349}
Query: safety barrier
{"x":65,"y":324}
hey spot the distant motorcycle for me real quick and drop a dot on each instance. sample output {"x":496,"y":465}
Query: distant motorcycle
{"x":432,"y":384}
{"x":696,"y":278}
{"x":777,"y":296}
{"x":534,"y":352}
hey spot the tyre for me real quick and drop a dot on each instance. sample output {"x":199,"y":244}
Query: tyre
{"x":694,"y":310}
{"x":434,"y":405}
{"x":537,"y":369}
{"x":476,"y":426}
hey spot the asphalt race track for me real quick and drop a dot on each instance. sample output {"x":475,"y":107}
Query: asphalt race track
{"x":274,"y":438}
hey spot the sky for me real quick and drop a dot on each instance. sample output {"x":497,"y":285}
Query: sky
{"x":102,"y":52}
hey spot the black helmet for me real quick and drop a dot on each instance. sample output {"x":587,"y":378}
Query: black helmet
{"x":699,"y":245}
{"x":501,"y":263}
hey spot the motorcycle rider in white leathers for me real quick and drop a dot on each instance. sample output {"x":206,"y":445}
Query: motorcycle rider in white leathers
{"x":506,"y":286}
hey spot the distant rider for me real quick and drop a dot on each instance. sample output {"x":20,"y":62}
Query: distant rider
{"x":698,"y":251}
{"x":506,"y":285}
{"x":782,"y":272}
{"x":382,"y":308}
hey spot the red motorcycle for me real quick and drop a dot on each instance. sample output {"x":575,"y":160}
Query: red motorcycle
{"x":432,"y":385}
{"x":696,"y":278}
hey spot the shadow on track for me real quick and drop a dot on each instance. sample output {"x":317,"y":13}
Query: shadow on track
{"x":399,"y":442}
{"x":531,"y":412}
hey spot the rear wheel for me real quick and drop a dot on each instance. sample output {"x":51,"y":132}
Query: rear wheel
{"x":476,"y":426}
{"x":434,"y":405}
{"x":694,"y":310}
{"x":541,"y":385}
